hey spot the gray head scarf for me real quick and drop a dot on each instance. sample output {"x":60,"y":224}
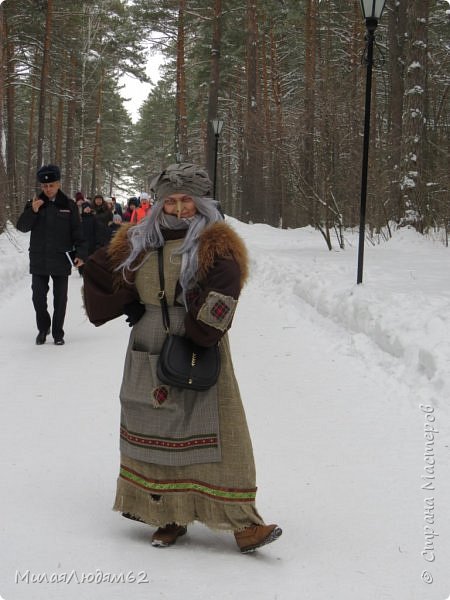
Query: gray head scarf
{"x":182,"y":178}
{"x":179,"y":178}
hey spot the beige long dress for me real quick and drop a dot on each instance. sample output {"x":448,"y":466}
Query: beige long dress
{"x":185,"y":456}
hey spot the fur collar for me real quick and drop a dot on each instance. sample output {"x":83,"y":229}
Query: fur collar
{"x":217,"y":240}
{"x":119,"y":247}
{"x":220,"y":240}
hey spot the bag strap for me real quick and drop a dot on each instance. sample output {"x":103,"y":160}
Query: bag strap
{"x":162,"y":291}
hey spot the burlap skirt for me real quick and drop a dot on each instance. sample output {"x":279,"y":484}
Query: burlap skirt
{"x":218,"y":487}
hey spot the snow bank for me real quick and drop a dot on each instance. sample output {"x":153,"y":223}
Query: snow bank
{"x":13,"y":258}
{"x":403,"y":305}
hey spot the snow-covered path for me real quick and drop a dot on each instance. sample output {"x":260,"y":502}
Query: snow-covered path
{"x":338,"y":437}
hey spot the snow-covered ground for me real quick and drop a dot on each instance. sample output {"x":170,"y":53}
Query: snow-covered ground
{"x":347,"y":392}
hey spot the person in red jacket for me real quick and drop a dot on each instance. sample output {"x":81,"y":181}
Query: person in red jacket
{"x":131,"y":207}
{"x":142,"y":210}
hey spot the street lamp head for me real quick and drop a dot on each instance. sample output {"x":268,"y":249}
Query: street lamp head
{"x":217,"y":125}
{"x":372,"y":9}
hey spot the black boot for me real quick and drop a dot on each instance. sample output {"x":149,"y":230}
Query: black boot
{"x":41,"y":337}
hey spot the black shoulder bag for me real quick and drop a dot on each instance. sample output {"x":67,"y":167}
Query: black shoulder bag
{"x":182,"y":363}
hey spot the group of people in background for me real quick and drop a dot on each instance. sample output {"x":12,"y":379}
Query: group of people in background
{"x":101,"y":217}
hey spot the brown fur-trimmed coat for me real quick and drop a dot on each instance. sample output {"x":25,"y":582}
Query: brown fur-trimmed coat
{"x":223,"y":268}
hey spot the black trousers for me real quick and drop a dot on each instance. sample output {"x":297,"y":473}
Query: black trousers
{"x":40,"y":287}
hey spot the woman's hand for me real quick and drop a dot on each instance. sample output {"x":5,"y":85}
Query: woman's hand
{"x":134,"y":311}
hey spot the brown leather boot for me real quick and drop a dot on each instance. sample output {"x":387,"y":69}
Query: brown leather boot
{"x":256,"y":536}
{"x":168,"y":535}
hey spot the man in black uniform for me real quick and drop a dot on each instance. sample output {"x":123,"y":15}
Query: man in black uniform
{"x":55,"y":226}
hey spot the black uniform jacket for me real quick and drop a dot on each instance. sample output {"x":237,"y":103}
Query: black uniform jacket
{"x":55,"y":230}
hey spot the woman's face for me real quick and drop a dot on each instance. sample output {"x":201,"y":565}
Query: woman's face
{"x":180,"y":205}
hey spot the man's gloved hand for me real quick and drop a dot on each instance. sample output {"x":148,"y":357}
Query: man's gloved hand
{"x":134,"y":311}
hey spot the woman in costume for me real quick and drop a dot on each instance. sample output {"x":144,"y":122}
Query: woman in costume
{"x":185,"y":455}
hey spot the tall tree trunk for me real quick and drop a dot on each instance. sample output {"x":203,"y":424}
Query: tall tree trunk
{"x":414,"y":114}
{"x":30,"y":176}
{"x":59,"y":121}
{"x":214,"y":83}
{"x":351,"y":197}
{"x":277,"y":139}
{"x":95,"y":182}
{"x":239,"y":202}
{"x":310,"y":94}
{"x":44,"y":80}
{"x":253,"y":188}
{"x":318,"y":197}
{"x":229,"y":180}
{"x":271,"y":175}
{"x":10,"y":115}
{"x":3,"y":182}
{"x":70,"y":126}
{"x":397,"y":28}
{"x":181,"y":141}
{"x":81,"y":97}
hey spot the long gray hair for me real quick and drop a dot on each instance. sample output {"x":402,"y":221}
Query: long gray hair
{"x":147,"y":235}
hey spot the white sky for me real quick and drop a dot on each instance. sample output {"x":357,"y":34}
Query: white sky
{"x":136,"y":91}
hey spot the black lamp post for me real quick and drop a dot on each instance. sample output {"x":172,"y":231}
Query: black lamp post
{"x":217,"y":125}
{"x":372,"y":11}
